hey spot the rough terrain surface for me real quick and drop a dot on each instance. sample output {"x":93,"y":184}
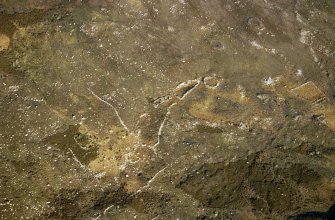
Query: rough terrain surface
{"x":174,"y":109}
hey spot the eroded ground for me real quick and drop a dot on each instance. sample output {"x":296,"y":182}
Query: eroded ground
{"x":173,"y":109}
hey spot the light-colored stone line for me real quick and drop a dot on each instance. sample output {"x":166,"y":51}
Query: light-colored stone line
{"x":109,"y":104}
{"x":152,"y":180}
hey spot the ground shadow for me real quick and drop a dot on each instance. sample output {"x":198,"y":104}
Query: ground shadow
{"x":329,"y":215}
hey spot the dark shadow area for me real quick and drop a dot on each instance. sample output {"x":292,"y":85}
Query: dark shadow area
{"x":329,"y":215}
